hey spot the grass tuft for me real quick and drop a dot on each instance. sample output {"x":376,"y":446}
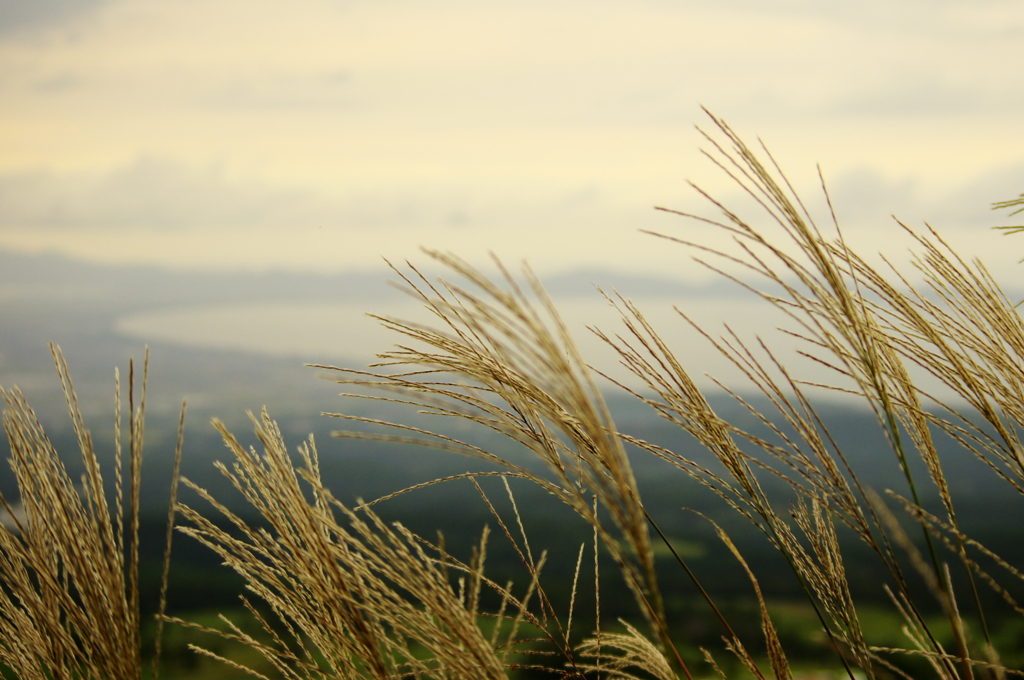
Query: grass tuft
{"x":69,"y":584}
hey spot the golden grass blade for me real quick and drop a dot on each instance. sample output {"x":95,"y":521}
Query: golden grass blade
{"x":171,"y":513}
{"x":572,"y":597}
{"x":775,"y":653}
{"x":68,"y":584}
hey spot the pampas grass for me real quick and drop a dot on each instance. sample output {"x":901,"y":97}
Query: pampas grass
{"x":352,"y":597}
{"x":339,"y":593}
{"x":502,"y":359}
{"x":69,"y":563}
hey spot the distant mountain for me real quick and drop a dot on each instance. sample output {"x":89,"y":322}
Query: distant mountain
{"x":52,"y":277}
{"x":78,"y":305}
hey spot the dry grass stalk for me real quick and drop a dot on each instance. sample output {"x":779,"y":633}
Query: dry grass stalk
{"x":358,"y":600}
{"x":69,"y":598}
{"x":506,"y":362}
{"x":622,"y":651}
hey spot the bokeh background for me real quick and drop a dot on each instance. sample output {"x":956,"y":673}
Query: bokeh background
{"x":232,"y":177}
{"x":319,"y":137}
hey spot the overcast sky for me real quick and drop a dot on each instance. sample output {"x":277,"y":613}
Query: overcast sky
{"x":325,"y":135}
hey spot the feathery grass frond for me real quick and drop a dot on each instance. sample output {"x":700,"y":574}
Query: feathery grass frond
{"x":620,"y":652}
{"x":358,"y":598}
{"x":853,"y":320}
{"x":502,"y":358}
{"x":505,"y":361}
{"x":69,"y":598}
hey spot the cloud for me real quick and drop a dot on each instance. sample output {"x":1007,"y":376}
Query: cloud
{"x":156,"y":193}
{"x":151,"y":193}
{"x":865,"y":196}
{"x":926,"y":94}
{"x":306,"y":92}
{"x":982,"y":19}
{"x":971,"y":204}
{"x":21,"y":16}
{"x":60,"y":82}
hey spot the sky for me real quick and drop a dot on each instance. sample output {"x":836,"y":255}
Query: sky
{"x":326,"y":135}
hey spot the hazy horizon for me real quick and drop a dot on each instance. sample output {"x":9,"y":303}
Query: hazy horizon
{"x":249,"y":152}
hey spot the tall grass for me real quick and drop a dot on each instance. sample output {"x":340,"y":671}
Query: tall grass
{"x":339,"y":593}
{"x":350,"y":596}
{"x":502,"y":359}
{"x":69,"y":563}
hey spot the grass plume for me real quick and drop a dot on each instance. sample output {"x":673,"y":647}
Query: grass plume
{"x":69,"y":584}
